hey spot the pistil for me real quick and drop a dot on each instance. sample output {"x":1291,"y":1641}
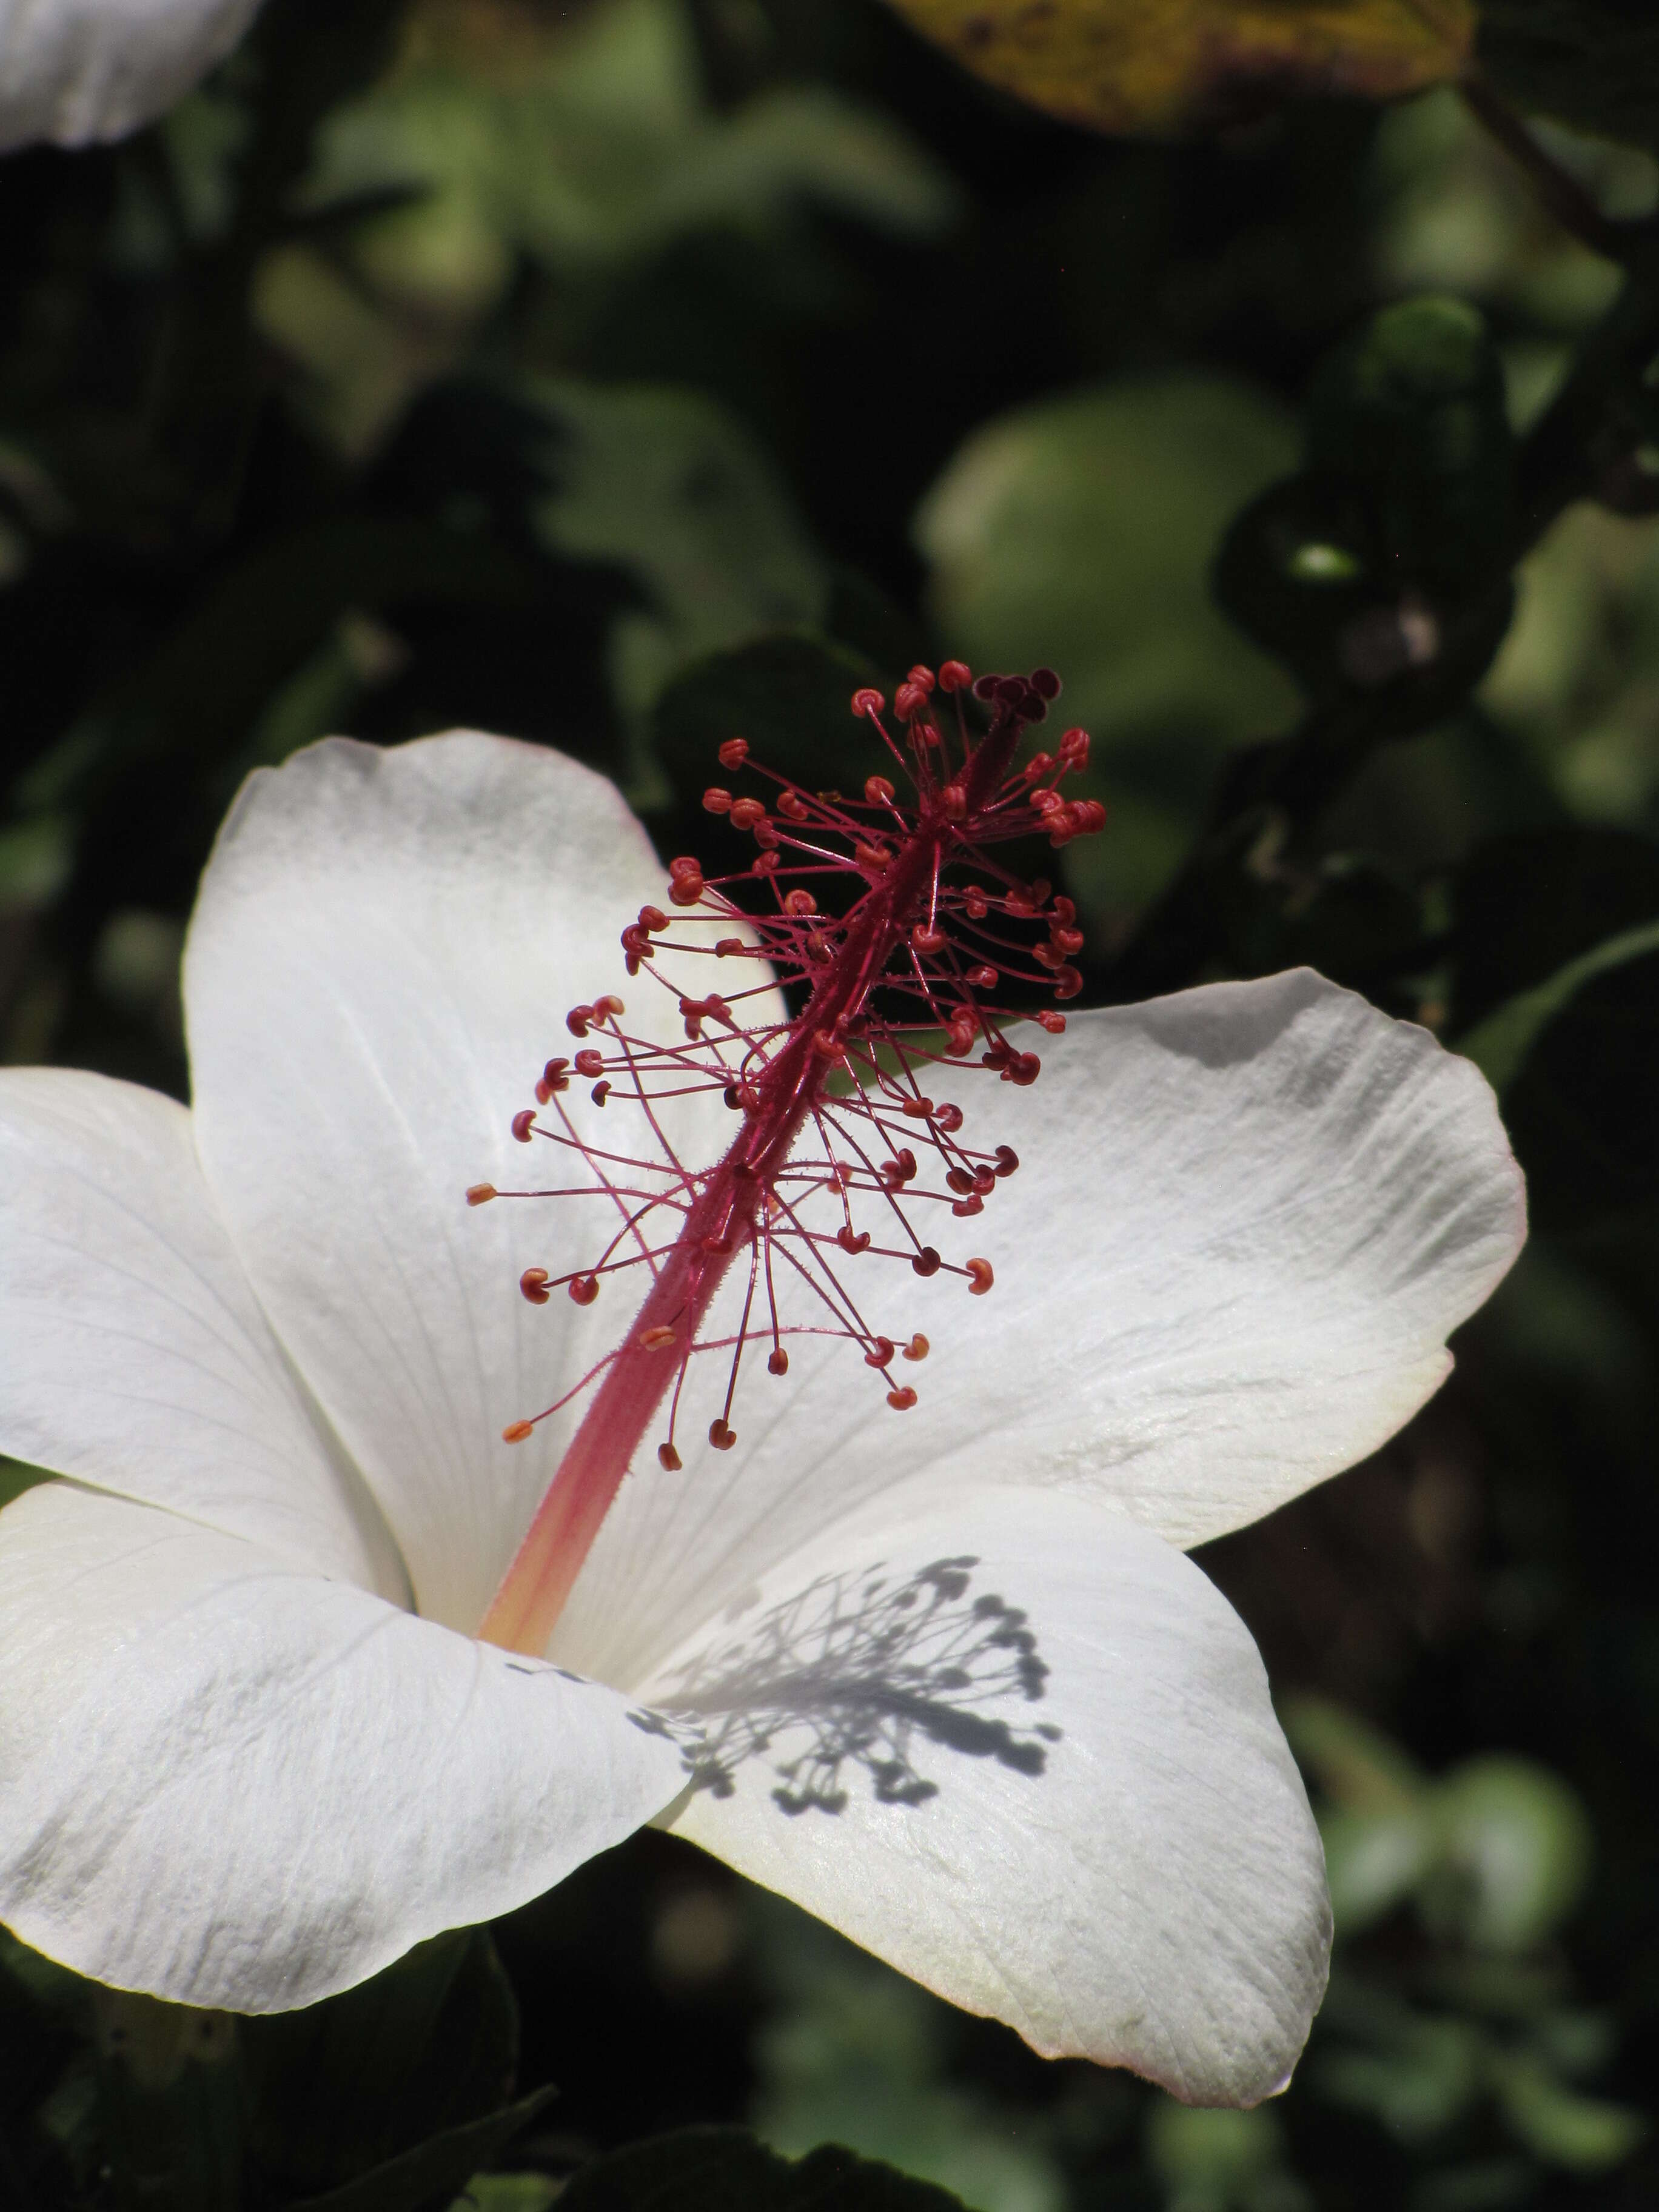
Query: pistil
{"x":781,"y":1079}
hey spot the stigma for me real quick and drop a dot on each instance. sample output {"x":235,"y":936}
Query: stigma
{"x":828,"y":992}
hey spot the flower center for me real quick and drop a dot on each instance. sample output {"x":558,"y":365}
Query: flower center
{"x":896,"y":981}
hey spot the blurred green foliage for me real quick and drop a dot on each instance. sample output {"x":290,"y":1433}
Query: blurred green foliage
{"x":629,"y":373}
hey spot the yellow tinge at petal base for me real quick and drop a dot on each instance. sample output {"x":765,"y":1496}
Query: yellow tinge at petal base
{"x":1173,"y":66}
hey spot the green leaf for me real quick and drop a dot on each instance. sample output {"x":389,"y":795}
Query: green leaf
{"x":1354,"y":1762}
{"x":1526,"y":907}
{"x":16,"y":1476}
{"x":721,"y":2169}
{"x":1499,"y":1045}
{"x":1584,"y":2134}
{"x":1164,"y":65}
{"x":1516,"y":1843}
{"x":1592,"y":63}
{"x":670,"y":486}
{"x":1080,"y":533}
{"x":428,"y":2047}
{"x":1582,"y":1111}
{"x":508,"y":2192}
{"x":427,"y":2175}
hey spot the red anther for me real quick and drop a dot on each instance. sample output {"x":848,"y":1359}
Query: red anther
{"x":1048,"y":956}
{"x":926,"y":1262}
{"x":975,"y":904}
{"x":964,"y":1206}
{"x":877,"y":791}
{"x":522,"y":1123}
{"x":1022,"y":902}
{"x":867,"y":702}
{"x":954,"y":799}
{"x":516,"y":1432}
{"x":959,"y":1038}
{"x":921,"y":676}
{"x":909,"y":699}
{"x":1046,"y":802}
{"x":925,"y":734}
{"x":1007,"y":1160}
{"x":927,"y":940}
{"x":656,"y":1339}
{"x":1050,"y":1020}
{"x":1045,"y":684}
{"x":902,"y":1399}
{"x":533,"y":1284}
{"x":1068,"y":983}
{"x":767,"y":836}
{"x":791,"y":803}
{"x":578,"y":1020}
{"x":960,"y":1180}
{"x":600,"y":1093}
{"x":918,"y":1347}
{"x":735,"y":752}
{"x":948,"y":1118}
{"x":764,"y":864}
{"x":688,"y":864}
{"x":685,"y":890}
{"x":800,"y":903}
{"x":1023,"y":1070}
{"x":653,"y":917}
{"x":880,"y":1353}
{"x":829,"y":1046}
{"x":725,"y":946}
{"x":1063,"y":911}
{"x":722,"y":1434}
{"x":777,"y":1361}
{"x":980,"y":1276}
{"x":667,"y":1458}
{"x":1074,"y":748}
{"x":900,"y":1170}
{"x":544,"y":1090}
{"x":716,"y":801}
{"x":986,"y":687}
{"x":1069,"y":941}
{"x":746,"y":813}
{"x":480,"y":1193}
{"x":955,"y":676}
{"x":983,"y":978}
{"x":590,"y":1062}
{"x":985,"y":1179}
{"x":583,"y":1289}
{"x":1090,"y":816}
{"x":853,"y":1240}
{"x":919,"y":1110}
{"x":873,"y":858}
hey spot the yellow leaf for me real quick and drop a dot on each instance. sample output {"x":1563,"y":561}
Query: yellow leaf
{"x":1161,"y":66}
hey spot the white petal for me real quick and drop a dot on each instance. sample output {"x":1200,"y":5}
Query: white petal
{"x":72,"y":70}
{"x":232,"y":1783}
{"x":1024,"y":1751}
{"x":384,"y":950}
{"x":1246,"y":1218}
{"x":132,"y":1352}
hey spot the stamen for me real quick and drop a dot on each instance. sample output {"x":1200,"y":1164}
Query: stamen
{"x":890,"y":921}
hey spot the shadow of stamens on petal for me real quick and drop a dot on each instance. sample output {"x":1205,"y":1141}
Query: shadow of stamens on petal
{"x":860,"y":1671}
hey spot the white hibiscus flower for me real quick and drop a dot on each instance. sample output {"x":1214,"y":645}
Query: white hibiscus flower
{"x":944,"y":1678}
{"x":76,"y":70}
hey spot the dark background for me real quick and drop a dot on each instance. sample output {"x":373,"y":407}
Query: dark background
{"x":623,"y":374}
